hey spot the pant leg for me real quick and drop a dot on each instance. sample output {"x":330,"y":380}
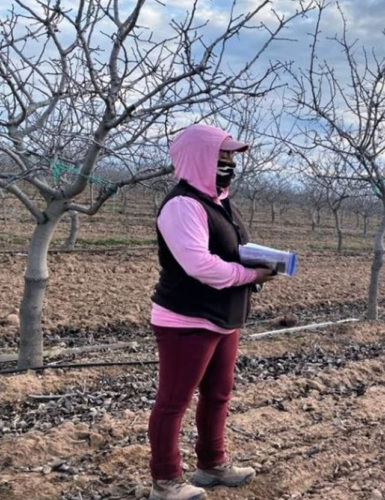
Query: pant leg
{"x":215,"y":391}
{"x":184,"y":355}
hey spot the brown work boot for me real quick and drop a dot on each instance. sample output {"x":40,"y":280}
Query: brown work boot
{"x":223,"y":475}
{"x":175,"y":489}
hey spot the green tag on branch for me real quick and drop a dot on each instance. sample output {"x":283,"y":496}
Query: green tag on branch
{"x":60,"y":167}
{"x":376,"y":190}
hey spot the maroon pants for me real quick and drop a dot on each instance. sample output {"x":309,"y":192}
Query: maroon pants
{"x":190,"y":359}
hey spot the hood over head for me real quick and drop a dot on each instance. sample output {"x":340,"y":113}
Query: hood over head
{"x":195,"y":152}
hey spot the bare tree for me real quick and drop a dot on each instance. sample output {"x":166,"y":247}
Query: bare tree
{"x":366,"y":206}
{"x":312,"y":199}
{"x":88,"y":84}
{"x":249,"y":188}
{"x":331,"y":175}
{"x":69,"y":243}
{"x":275,"y":191}
{"x":343,"y":113}
{"x":248,"y":121}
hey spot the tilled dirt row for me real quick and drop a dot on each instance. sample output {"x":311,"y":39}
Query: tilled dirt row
{"x":114,"y":290}
{"x":307,"y":411}
{"x":319,"y":436}
{"x":310,"y":422}
{"x":135,"y":389}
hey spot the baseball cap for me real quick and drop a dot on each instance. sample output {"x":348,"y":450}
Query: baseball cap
{"x":230,"y":144}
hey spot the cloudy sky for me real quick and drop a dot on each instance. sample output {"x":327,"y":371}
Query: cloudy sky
{"x":364,"y":18}
{"x":365,"y":22}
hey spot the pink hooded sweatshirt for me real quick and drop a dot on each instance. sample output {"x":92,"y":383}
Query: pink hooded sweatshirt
{"x":184,"y":226}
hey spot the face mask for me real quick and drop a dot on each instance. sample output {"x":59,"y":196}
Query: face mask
{"x":225,"y":173}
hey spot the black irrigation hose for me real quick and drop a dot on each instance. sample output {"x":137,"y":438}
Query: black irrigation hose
{"x":79,"y":365}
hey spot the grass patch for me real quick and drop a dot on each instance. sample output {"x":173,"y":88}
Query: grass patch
{"x":349,"y":249}
{"x":13,"y":239}
{"x":94,"y":219}
{"x":113,"y":241}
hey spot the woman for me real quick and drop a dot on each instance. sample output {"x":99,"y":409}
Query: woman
{"x":200,"y":302}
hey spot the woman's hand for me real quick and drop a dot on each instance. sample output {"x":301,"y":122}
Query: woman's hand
{"x":264,"y":275}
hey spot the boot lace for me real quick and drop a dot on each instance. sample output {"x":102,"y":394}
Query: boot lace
{"x":171,"y":484}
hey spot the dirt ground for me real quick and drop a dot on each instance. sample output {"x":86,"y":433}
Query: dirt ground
{"x":308,"y":409}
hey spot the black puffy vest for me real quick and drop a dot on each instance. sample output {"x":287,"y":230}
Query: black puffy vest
{"x":180,"y":293}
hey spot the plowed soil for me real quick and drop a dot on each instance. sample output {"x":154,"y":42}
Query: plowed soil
{"x":308,"y":408}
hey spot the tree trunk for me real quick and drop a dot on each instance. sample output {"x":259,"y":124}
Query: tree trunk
{"x":5,"y":218}
{"x":124,"y":201}
{"x":36,"y":280}
{"x":313,"y":219}
{"x":70,"y":242}
{"x":272,"y":213}
{"x":372,"y":312}
{"x":252,"y":213}
{"x":157,"y":199}
{"x":336,"y":214}
{"x":91,"y":193}
{"x":365,"y":230}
